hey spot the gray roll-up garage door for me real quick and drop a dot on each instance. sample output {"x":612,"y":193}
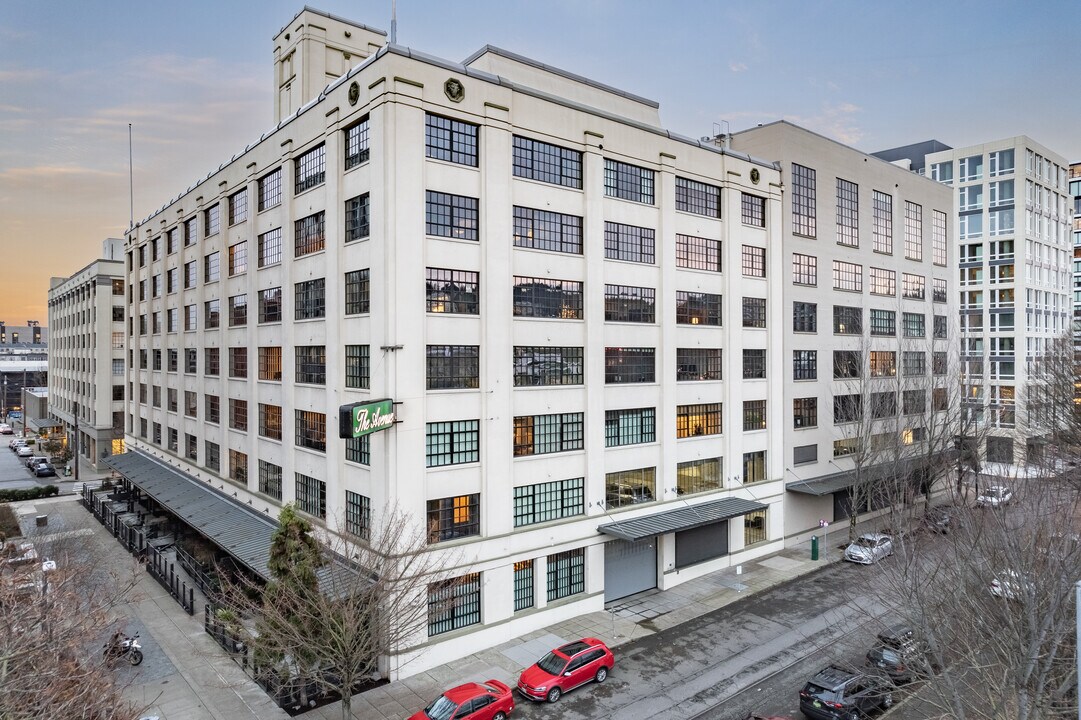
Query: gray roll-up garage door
{"x":629,"y":567}
{"x":701,"y":543}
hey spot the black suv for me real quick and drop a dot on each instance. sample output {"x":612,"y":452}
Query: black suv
{"x":899,"y":654}
{"x":835,"y":693}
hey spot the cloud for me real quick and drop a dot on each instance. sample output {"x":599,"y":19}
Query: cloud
{"x":737,"y":67}
{"x":53,"y":172}
{"x":835,"y":120}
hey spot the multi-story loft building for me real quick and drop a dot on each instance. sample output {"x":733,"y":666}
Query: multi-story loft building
{"x":573,"y":311}
{"x":24,"y":356}
{"x":87,"y":373}
{"x":1075,"y":193}
{"x":869,"y":338}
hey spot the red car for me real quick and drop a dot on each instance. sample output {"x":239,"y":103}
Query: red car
{"x":565,"y":668}
{"x":491,"y":700}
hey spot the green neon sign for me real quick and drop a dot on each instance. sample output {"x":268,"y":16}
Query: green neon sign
{"x":360,"y":419}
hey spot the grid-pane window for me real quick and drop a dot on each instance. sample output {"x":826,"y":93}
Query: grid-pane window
{"x":453,"y":291}
{"x":804,"y":212}
{"x":546,"y":230}
{"x":883,"y":363}
{"x":549,"y":501}
{"x":311,"y":430}
{"x":238,"y":362}
{"x":547,"y":298}
{"x":696,"y":308}
{"x":543,"y":434}
{"x":913,"y":231}
{"x":270,"y":305}
{"x":238,"y":466}
{"x":548,"y":163}
{"x":754,"y":466}
{"x":310,"y":169}
{"x":629,"y":365}
{"x":754,"y":364}
{"x":543,"y":365}
{"x":358,"y":514}
{"x":311,"y":364}
{"x":629,"y":242}
{"x":270,"y":190}
{"x":238,"y":311}
{"x":624,"y":303}
{"x":698,"y":364}
{"x":754,"y":312}
{"x":452,"y":443}
{"x":453,"y":517}
{"x":309,"y":234}
{"x":939,"y":235}
{"x":356,"y":144}
{"x":913,"y":402}
{"x":357,"y":292}
{"x":698,"y":253}
{"x":939,"y":362}
{"x":699,"y":419}
{"x":191,"y":230}
{"x":697,"y":476}
{"x":848,"y":213}
{"x":523,"y":585}
{"x":804,"y":269}
{"x":191,"y":317}
{"x":754,"y":261}
{"x":310,"y":299}
{"x":847,"y":276}
{"x":212,"y":456}
{"x":566,"y":574}
{"x":270,"y":421}
{"x":940,"y":326}
{"x":453,"y":367}
{"x":451,"y":140}
{"x":212,"y":361}
{"x":914,"y":362}
{"x":882,"y":222}
{"x":211,"y":220}
{"x":804,"y":364}
{"x":212,"y":267}
{"x":238,"y":414}
{"x":270,"y":363}
{"x":804,"y":317}
{"x":628,"y":182}
{"x":453,"y":604}
{"x":754,"y":415}
{"x":753,"y":210}
{"x":805,"y":412}
{"x":938,"y":292}
{"x":883,"y":323}
{"x":359,"y":450}
{"x":191,"y":273}
{"x":357,"y":366}
{"x":698,"y":198}
{"x":238,"y":207}
{"x":270,"y":247}
{"x":212,"y":408}
{"x":914,"y":324}
{"x":357,"y":217}
{"x":847,"y":364}
{"x":882,"y":281}
{"x":311,"y":495}
{"x":755,"y":527}
{"x":631,"y":426}
{"x":452,"y":216}
{"x":914,"y":287}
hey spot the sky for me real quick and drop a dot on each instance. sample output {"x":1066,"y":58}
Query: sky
{"x":194,"y":79}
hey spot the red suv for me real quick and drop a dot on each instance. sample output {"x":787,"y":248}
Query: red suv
{"x":491,"y":700}
{"x":565,"y":668}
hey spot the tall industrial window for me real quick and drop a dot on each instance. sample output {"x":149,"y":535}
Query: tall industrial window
{"x":270,"y":190}
{"x":913,"y":287}
{"x":629,"y":365}
{"x":548,"y":163}
{"x":238,"y":414}
{"x":453,"y":604}
{"x":939,"y":235}
{"x":453,"y":517}
{"x":270,"y":305}
{"x":696,"y":308}
{"x":914,"y":324}
{"x":805,"y":412}
{"x":754,"y":364}
{"x":847,"y":364}
{"x":913,"y":231}
{"x":883,"y":363}
{"x":754,"y":261}
{"x":359,"y":450}
{"x":357,"y":292}
{"x":804,"y":212}
{"x":754,"y":415}
{"x":543,"y":434}
{"x":697,"y":476}
{"x":698,"y":253}
{"x":358,"y":514}
{"x":238,"y":311}
{"x":357,"y":366}
{"x":451,"y":216}
{"x":914,"y":362}
{"x":191,"y":229}
{"x":754,"y":528}
{"x":310,"y":169}
{"x":847,"y":320}
{"x":453,"y":291}
{"x":311,"y":364}
{"x":238,"y":362}
{"x":804,"y":364}
{"x":882,"y":222}
{"x":698,"y":420}
{"x":632,"y":426}
{"x":883,"y":323}
{"x":566,"y":574}
{"x":311,"y":496}
{"x":629,"y":242}
{"x":310,"y":299}
{"x":212,"y":456}
{"x":753,"y":210}
{"x":847,"y":276}
{"x":754,"y":466}
{"x":270,"y":247}
{"x":624,"y":303}
{"x":546,"y":230}
{"x":238,"y":466}
{"x":754,"y":312}
{"x":211,"y":220}
{"x":309,"y":234}
{"x":848,"y":213}
{"x":628,"y":182}
{"x":212,"y":267}
{"x":212,"y":364}
{"x":270,"y":363}
{"x":882,"y":281}
{"x":804,"y":269}
{"x":356,"y":144}
{"x":452,"y":443}
{"x":311,"y":430}
{"x":543,"y":365}
{"x":212,"y":408}
{"x":549,"y":501}
{"x":238,"y":207}
{"x":453,"y":367}
{"x":804,"y":317}
{"x":698,"y":364}
{"x":357,"y":217}
{"x":270,"y":421}
{"x":547,"y":298}
{"x":523,"y":585}
{"x":451,"y":140}
{"x":698,"y":198}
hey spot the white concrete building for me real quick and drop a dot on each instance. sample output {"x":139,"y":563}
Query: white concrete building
{"x":86,"y":363}
{"x":869,"y":295}
{"x":547,"y":284}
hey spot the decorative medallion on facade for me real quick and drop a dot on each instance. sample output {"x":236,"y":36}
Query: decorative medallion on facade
{"x":454,"y":90}
{"x":354,"y":92}
{"x":755,"y":175}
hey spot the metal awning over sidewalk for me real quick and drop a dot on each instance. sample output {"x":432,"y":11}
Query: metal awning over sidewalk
{"x":239,"y":530}
{"x":838,"y":481}
{"x":685,"y":518}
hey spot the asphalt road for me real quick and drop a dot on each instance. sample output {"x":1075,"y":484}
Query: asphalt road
{"x":753,"y":655}
{"x":13,"y":474}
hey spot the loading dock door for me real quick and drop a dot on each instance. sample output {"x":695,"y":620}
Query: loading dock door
{"x":701,"y":543}
{"x":629,"y":567}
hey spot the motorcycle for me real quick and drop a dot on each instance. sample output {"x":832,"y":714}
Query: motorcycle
{"x":123,"y":646}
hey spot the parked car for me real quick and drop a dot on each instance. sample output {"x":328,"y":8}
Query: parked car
{"x":5,"y":429}
{"x":16,"y":443}
{"x":899,"y":654}
{"x":45,"y":470}
{"x":1011,"y":585}
{"x":942,"y":519}
{"x":490,"y":700}
{"x":994,"y":496}
{"x":24,"y":451}
{"x":835,"y":693}
{"x":35,"y":460}
{"x":565,"y":668}
{"x":869,"y":548}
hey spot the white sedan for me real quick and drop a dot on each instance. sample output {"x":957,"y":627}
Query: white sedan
{"x":1011,"y":585}
{"x":24,"y":451}
{"x":869,"y":548}
{"x":994,"y":496}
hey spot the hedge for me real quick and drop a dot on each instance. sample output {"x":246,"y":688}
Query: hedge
{"x":34,"y":493}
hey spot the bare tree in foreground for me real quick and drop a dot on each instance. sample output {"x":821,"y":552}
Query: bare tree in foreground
{"x":333,"y":611}
{"x":51,"y":624}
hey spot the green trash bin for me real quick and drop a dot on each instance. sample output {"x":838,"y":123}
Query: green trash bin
{"x":814,"y":547}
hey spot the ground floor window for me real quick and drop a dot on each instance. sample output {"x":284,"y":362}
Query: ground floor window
{"x":566,"y":574}
{"x":523,"y":585}
{"x":1000,"y":450}
{"x":754,"y":527}
{"x":453,"y":604}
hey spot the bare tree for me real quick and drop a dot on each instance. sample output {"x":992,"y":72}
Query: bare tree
{"x":339,"y":607}
{"x":58,"y":597}
{"x":1050,"y":396}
